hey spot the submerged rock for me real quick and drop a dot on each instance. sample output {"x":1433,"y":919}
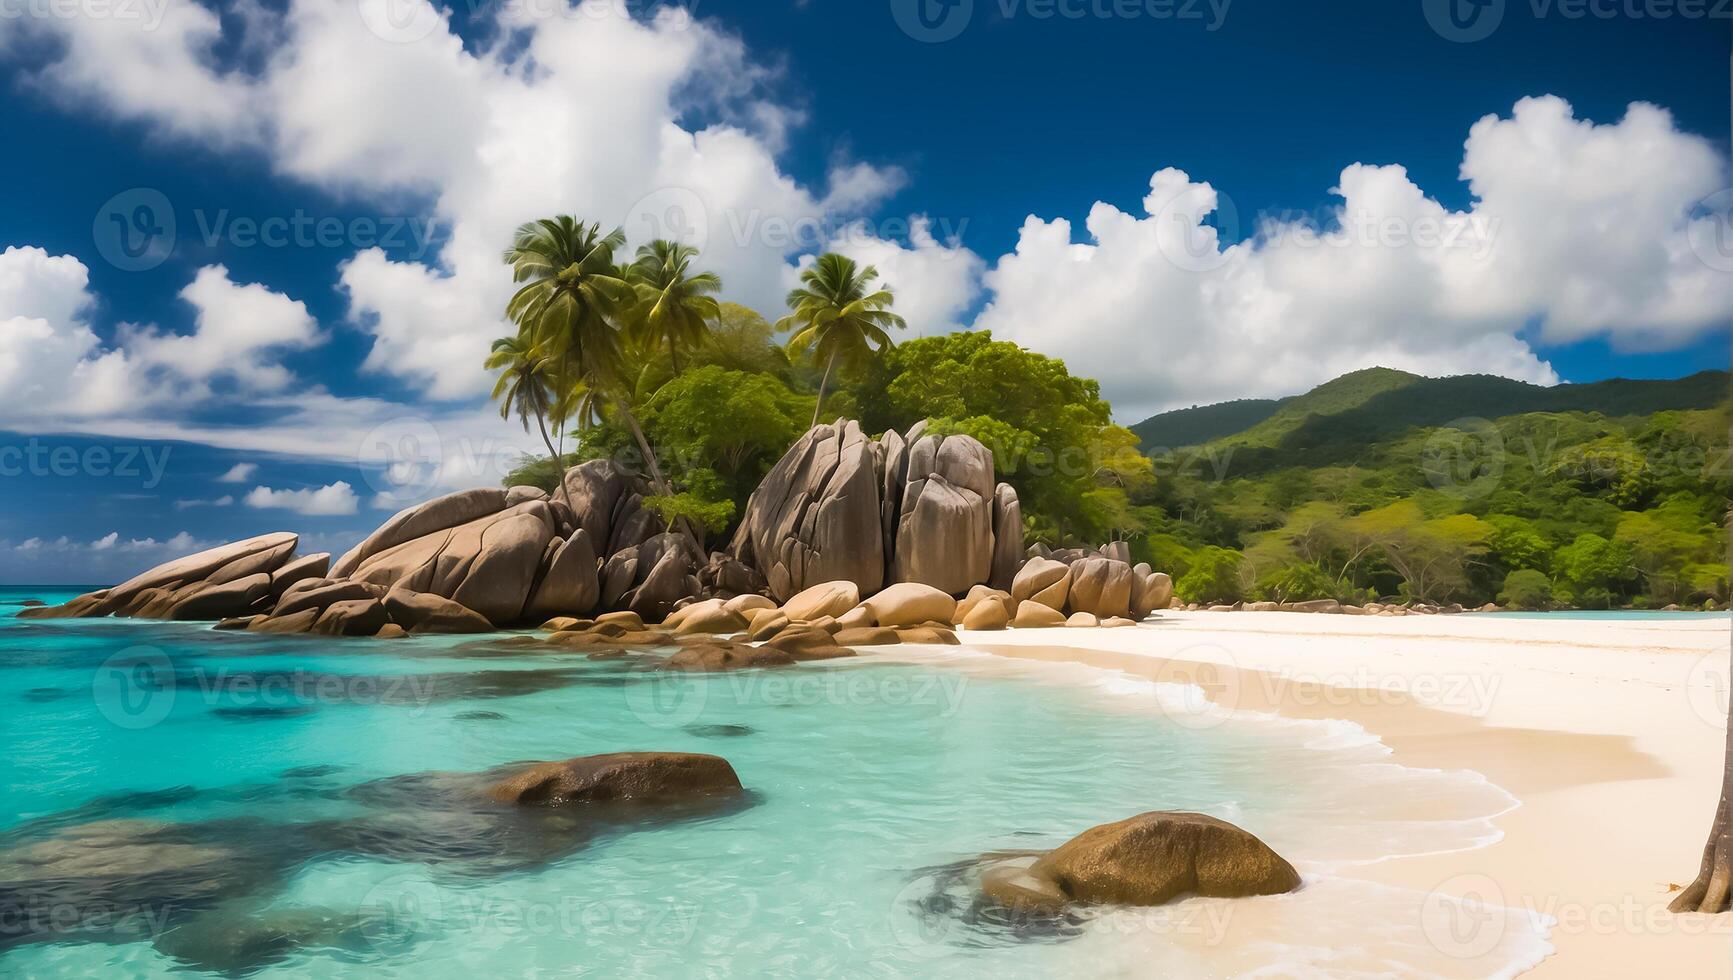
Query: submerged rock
{"x":636,"y":776}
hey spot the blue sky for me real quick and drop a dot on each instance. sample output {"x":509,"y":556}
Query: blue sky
{"x":1017,"y":176}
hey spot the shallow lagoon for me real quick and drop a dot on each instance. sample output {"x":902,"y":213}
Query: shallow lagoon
{"x":870,"y":780}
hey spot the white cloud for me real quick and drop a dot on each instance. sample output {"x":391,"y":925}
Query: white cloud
{"x":238,"y":331}
{"x":1578,"y":227}
{"x":327,"y":501}
{"x":225,"y":500}
{"x":51,"y":362}
{"x":935,"y":282}
{"x":239,"y":473}
{"x":577,"y":113}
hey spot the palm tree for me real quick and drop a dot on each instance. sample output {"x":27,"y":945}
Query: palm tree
{"x":525,"y":386}
{"x":571,"y":301}
{"x":674,"y":306}
{"x":834,"y":314}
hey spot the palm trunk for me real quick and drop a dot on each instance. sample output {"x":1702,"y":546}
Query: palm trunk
{"x":674,"y":355}
{"x":542,"y":424}
{"x":657,"y":480}
{"x":822,"y":385}
{"x":1709,"y":893}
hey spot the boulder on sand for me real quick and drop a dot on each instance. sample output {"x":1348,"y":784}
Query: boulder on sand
{"x":620,"y":776}
{"x":824,"y":599}
{"x":910,"y":604}
{"x":816,"y":517}
{"x":570,"y":582}
{"x":1100,"y":586}
{"x":1044,"y":581}
{"x":944,"y":531}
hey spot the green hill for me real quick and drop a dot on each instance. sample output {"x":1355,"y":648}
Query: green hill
{"x":1366,"y":406}
{"x":1470,"y":489}
{"x":1200,"y":424}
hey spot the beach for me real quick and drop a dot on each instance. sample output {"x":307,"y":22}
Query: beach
{"x":1610,"y":732}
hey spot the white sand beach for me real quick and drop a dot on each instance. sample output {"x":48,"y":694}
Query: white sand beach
{"x":1610,"y":732}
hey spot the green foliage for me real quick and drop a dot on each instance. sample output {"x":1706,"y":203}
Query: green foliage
{"x":1215,"y":577}
{"x":1589,"y":569}
{"x":1298,"y":582}
{"x":1051,"y":434}
{"x":839,"y":316}
{"x":703,"y":500}
{"x":731,"y":423}
{"x":1526,"y":588}
{"x":1363,"y":479}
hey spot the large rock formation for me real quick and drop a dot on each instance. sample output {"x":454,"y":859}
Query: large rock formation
{"x":917,"y":508}
{"x":816,"y":516}
{"x":230,"y":580}
{"x":840,"y":518}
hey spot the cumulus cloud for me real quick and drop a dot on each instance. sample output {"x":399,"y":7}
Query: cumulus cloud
{"x":1580,"y":228}
{"x":239,"y":331}
{"x":335,"y":499}
{"x":51,"y":362}
{"x":53,"y":367}
{"x":935,"y":282}
{"x":568,"y":111}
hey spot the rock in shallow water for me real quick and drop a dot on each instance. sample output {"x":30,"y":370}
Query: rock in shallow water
{"x":637,"y":776}
{"x":1149,"y":859}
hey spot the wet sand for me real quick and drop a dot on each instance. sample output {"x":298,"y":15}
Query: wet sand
{"x":1611,"y":734}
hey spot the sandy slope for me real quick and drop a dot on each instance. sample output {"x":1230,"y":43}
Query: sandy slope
{"x":1611,"y":734}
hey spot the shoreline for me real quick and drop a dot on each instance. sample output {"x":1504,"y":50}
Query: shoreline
{"x":1609,"y":733}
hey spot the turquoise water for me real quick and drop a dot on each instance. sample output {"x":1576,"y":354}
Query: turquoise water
{"x":1621,"y":615}
{"x":273,"y":804}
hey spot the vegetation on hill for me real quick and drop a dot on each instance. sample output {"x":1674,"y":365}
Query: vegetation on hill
{"x":1375,"y":485}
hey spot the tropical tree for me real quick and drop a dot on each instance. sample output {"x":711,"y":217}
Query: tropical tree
{"x":526,"y":386}
{"x":837,"y":313}
{"x":674,"y":306}
{"x":571,"y":301}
